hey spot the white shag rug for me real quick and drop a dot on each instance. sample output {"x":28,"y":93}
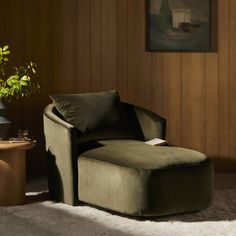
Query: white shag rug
{"x":44,"y":217}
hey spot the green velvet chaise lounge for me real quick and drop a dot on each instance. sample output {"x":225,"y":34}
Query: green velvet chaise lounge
{"x":97,"y":154}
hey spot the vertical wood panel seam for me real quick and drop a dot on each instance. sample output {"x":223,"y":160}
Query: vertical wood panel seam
{"x":21,"y":49}
{"x":115,"y":74}
{"x":53,"y":38}
{"x":205,"y":103}
{"x":76,"y":45}
{"x":205,"y":91}
{"x":181,"y":99}
{"x":218,"y":109}
{"x":21,"y":57}
{"x":90,"y":46}
{"x":127,"y":71}
{"x":218,"y":99}
{"x":51,"y":45}
{"x":218,"y":95}
{"x":162,"y":84}
{"x":163,"y":87}
{"x":151,"y":82}
{"x":116,"y":80}
{"x":100,"y":82}
{"x":127,"y":53}
{"x":151,"y":58}
{"x":218,"y":52}
{"x":229,"y":83}
{"x":101,"y":45}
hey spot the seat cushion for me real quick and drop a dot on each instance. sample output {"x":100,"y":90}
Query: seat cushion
{"x":95,"y":115}
{"x":139,"y":155}
{"x":135,"y":178}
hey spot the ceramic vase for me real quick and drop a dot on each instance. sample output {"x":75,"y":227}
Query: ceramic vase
{"x":4,"y":122}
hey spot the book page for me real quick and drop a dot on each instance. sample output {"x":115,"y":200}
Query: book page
{"x":156,"y":142}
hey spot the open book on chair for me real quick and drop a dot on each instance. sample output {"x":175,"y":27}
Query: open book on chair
{"x":157,"y":142}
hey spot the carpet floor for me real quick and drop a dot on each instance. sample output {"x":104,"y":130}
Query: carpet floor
{"x":41,"y":216}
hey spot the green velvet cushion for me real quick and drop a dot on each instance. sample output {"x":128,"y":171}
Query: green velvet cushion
{"x":137,"y":179}
{"x":96,"y":115}
{"x":137,"y":154}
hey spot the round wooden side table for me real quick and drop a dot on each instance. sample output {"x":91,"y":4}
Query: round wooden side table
{"x":12,"y":172}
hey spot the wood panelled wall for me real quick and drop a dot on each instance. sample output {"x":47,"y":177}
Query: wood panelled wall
{"x":94,"y":45}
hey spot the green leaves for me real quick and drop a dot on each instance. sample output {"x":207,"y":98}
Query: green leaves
{"x":12,"y":80}
{"x":6,"y":52}
{"x":21,"y":83}
{"x":5,"y":90}
{"x":5,"y":47}
{"x":25,"y":78}
{"x":3,"y":59}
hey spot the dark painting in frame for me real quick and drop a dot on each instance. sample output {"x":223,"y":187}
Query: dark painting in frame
{"x":179,"y":25}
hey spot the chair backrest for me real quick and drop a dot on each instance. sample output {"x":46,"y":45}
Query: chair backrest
{"x":147,"y":124}
{"x":144,"y":123}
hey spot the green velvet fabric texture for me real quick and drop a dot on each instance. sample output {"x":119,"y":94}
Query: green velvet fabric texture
{"x":126,"y":176}
{"x":145,"y":192}
{"x":135,"y":178}
{"x":145,"y":123}
{"x":61,"y":148}
{"x":139,"y":155}
{"x":95,"y":115}
{"x":109,"y":186}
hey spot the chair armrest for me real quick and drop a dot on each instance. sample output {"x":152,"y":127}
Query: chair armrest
{"x":148,"y":125}
{"x":48,"y":112}
{"x":61,"y":142}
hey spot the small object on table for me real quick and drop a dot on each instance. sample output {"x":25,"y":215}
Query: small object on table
{"x":12,"y":172}
{"x":23,"y":134}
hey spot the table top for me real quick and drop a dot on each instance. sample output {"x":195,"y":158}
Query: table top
{"x":16,"y":145}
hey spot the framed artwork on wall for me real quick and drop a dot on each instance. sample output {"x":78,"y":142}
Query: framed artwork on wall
{"x":179,"y":25}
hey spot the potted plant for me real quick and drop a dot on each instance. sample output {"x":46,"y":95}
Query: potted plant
{"x":20,"y":83}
